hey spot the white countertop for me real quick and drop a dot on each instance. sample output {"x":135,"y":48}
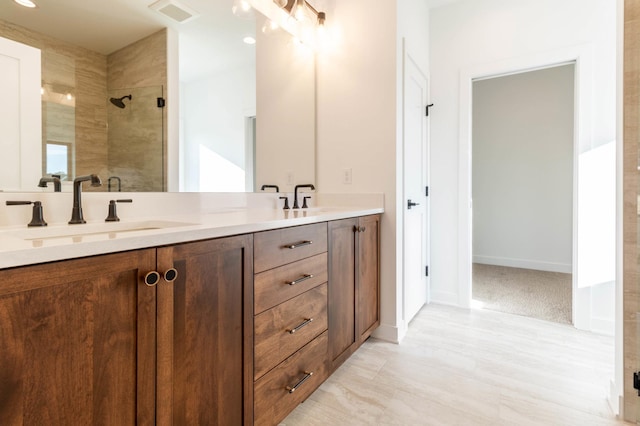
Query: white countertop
{"x":20,"y":245}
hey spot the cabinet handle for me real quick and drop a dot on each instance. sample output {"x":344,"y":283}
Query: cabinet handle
{"x":293,"y":388}
{"x":170,"y":275}
{"x":359,"y":229}
{"x":306,"y":322}
{"x":299,"y":280}
{"x":300,"y":244}
{"x":152,"y":278}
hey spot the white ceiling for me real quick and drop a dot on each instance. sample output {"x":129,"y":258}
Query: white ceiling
{"x":210,"y":41}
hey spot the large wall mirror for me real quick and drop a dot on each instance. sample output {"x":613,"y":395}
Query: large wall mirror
{"x":167,"y":95}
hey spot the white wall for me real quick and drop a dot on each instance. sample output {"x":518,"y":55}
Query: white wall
{"x":285,"y":112}
{"x":358,"y":102}
{"x":523,"y":169}
{"x":213,"y":112}
{"x":469,"y":33}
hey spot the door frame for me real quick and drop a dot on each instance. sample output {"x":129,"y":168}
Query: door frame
{"x":582,"y":56}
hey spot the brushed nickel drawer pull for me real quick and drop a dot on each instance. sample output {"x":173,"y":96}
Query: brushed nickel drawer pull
{"x":306,"y":322}
{"x":299,"y":280}
{"x":300,"y":244}
{"x":307,"y":374}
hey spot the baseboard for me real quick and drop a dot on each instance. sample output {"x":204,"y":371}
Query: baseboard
{"x":390,"y":333}
{"x":615,"y":400}
{"x":603,"y":326}
{"x":444,"y":298}
{"x":523,"y":263}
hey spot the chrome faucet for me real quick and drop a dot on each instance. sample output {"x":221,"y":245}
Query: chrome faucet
{"x":76,"y":212}
{"x":295,"y":193}
{"x":57,"y":186}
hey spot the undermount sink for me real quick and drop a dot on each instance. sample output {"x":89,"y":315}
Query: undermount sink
{"x":91,"y":231}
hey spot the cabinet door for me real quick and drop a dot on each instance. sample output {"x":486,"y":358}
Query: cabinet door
{"x":342,"y":284}
{"x":71,"y":335}
{"x":368,"y":282}
{"x":205,"y":335}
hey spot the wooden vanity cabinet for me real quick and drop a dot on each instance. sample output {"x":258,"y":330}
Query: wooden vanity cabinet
{"x":88,"y":342}
{"x":368,"y":276}
{"x":204,"y":348}
{"x":250,"y":327}
{"x":354,"y":285}
{"x":78,"y":341}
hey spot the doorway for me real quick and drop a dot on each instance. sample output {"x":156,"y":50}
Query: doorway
{"x":522,"y":192}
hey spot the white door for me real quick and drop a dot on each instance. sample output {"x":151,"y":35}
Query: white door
{"x":20,"y":116}
{"x":415,"y":202}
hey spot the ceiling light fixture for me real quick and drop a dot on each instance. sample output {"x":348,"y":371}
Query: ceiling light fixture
{"x":297,"y":17}
{"x":26,"y":3}
{"x":249,"y":40}
{"x":299,"y":9}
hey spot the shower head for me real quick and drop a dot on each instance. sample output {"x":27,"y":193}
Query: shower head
{"x":118,"y":101}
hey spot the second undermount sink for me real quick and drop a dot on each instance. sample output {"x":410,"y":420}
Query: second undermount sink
{"x":92,"y":231}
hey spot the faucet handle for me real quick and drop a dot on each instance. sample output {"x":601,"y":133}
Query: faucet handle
{"x":37,"y":217}
{"x":304,"y":202}
{"x":113,"y":215}
{"x":286,"y":202}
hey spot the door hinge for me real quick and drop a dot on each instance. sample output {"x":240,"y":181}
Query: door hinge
{"x":426,"y":191}
{"x":426,"y":271}
{"x":427,"y":109}
{"x":636,"y":382}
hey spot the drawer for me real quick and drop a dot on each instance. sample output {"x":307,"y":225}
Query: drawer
{"x":282,"y":246}
{"x":286,"y":282}
{"x":282,"y":330}
{"x":273,"y":398}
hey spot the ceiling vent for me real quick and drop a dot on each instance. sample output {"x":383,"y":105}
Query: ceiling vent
{"x":174,"y":10}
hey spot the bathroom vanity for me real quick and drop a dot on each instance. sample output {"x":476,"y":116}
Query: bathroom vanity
{"x":252,"y":323}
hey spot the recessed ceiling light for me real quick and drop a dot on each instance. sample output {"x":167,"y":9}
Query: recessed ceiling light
{"x":26,"y":3}
{"x":249,"y":40}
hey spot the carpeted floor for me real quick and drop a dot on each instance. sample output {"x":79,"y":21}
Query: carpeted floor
{"x":538,"y":294}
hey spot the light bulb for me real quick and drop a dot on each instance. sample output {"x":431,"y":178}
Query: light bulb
{"x":270,"y":27}
{"x":69,"y":97}
{"x":299,"y":10}
{"x":242,"y":9}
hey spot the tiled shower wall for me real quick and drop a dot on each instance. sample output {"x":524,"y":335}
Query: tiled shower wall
{"x":142,"y":64}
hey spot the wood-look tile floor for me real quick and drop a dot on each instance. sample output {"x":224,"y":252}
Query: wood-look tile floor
{"x":477,"y":367}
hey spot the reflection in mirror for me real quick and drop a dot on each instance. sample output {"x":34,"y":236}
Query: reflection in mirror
{"x":216,"y":103}
{"x":135,"y":138}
